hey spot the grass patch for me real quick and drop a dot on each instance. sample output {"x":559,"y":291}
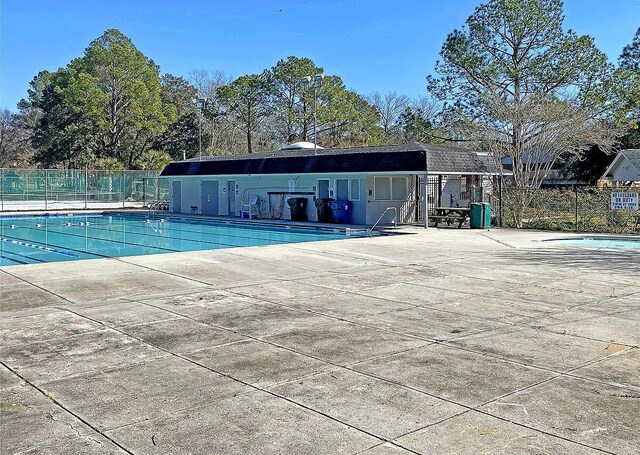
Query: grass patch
{"x":6,"y":406}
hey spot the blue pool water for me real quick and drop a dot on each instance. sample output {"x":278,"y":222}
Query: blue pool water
{"x":601,"y":242}
{"x":31,"y":240}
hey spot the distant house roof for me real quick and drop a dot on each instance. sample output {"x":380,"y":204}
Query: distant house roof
{"x":633,"y":155}
{"x":393,"y":158}
{"x":630,"y":155}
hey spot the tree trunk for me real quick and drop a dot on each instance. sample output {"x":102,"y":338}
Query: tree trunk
{"x":249,"y":149}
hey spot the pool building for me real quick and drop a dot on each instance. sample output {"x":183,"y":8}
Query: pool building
{"x":371,"y":179}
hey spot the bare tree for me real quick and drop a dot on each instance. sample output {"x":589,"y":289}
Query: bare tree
{"x":427,"y":106}
{"x":222,"y":135}
{"x":390,"y":107}
{"x":15,"y":149}
{"x":526,"y":88}
{"x":551,"y":129}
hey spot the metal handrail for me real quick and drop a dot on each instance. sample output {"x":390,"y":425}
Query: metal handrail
{"x":395,"y":209}
{"x":155,"y":207}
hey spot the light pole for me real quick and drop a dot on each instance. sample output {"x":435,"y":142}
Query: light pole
{"x":314,"y":81}
{"x":200,"y":104}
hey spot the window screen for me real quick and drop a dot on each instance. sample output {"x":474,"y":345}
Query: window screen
{"x":342,"y":189}
{"x":323,"y":188}
{"x":399,"y":188}
{"x":382,"y":188}
{"x":355,"y":190}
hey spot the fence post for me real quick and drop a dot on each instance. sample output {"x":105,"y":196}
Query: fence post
{"x":1,"y":189}
{"x":123,"y":186}
{"x":500,"y":197}
{"x":46,"y":189}
{"x":86,"y":188}
{"x":575,"y":187}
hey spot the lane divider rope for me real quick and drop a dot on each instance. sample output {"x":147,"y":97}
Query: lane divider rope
{"x":39,"y":247}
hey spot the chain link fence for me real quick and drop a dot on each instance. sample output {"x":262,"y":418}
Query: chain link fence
{"x":579,"y":209}
{"x":458,"y":191}
{"x":51,"y":189}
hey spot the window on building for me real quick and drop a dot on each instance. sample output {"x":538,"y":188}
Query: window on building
{"x":355,"y":190}
{"x":399,"y":188}
{"x":342,"y":189}
{"x":323,"y":188}
{"x":382,"y":188}
{"x":390,"y":188}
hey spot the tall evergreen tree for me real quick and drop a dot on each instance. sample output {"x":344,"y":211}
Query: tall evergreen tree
{"x":630,"y":69}
{"x":106,"y":103}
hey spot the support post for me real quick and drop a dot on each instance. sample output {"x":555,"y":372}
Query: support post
{"x":575,"y":188}
{"x":424,"y":188}
{"x":500,"y":196}
{"x":46,"y":189}
{"x":426,"y":200}
{"x":123,"y":186}
{"x":86,"y":188}
{"x":417,"y":196}
{"x":2,"y":189}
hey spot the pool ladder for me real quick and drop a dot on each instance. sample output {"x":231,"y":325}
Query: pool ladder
{"x":156,"y":206}
{"x":395,"y":218}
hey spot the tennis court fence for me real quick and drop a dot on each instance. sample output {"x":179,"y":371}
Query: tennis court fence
{"x":51,"y":189}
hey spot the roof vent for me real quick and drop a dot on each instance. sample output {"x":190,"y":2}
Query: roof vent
{"x":300,"y":146}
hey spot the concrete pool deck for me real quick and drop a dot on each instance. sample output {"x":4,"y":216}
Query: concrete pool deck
{"x":443,"y":341}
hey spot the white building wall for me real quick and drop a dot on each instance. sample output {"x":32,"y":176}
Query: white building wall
{"x":261,"y":185}
{"x":375,"y":208}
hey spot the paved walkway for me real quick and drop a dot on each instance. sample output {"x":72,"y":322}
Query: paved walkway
{"x":439,"y":342}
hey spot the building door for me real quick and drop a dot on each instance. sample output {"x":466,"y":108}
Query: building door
{"x":231,"y":197}
{"x":210,"y":197}
{"x":176,"y":196}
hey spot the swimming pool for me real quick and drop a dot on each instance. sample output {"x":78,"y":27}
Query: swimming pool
{"x":30,"y":240}
{"x":600,"y":242}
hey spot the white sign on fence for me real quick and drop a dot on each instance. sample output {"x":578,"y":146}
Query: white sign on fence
{"x":624,"y":201}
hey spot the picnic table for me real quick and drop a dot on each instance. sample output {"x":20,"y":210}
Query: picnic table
{"x":450,"y":214}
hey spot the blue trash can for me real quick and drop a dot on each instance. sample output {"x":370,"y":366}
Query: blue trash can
{"x":341,"y":211}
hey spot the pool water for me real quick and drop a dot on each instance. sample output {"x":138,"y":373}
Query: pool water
{"x":601,"y":242}
{"x":37,"y":239}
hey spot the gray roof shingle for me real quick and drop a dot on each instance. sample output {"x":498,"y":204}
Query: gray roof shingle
{"x":441,"y":159}
{"x":633,"y":155}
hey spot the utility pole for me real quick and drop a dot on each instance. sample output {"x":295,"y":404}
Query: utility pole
{"x":200,"y":104}
{"x":314,"y":81}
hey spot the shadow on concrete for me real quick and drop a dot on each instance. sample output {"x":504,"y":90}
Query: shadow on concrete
{"x":626,"y":261}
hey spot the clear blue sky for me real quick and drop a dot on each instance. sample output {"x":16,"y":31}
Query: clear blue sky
{"x":381,"y":45}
